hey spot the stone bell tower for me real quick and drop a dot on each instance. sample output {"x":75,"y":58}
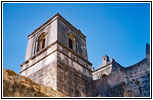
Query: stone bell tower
{"x":56,"y":56}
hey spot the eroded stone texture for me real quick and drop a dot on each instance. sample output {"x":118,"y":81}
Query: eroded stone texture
{"x":71,"y":82}
{"x":102,"y":86}
{"x":47,"y":76}
{"x":136,"y":79}
{"x":118,"y":91}
{"x":15,"y":85}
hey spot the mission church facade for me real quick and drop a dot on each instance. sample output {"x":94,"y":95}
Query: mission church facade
{"x":56,"y":56}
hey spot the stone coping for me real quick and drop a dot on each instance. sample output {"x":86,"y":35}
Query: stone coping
{"x":102,"y":67}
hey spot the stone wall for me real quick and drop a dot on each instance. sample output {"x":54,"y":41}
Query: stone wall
{"x":47,"y":75}
{"x":67,"y":56}
{"x":71,"y":82}
{"x":102,"y":86}
{"x":73,"y":77}
{"x":43,"y":71}
{"x":106,"y":70}
{"x":15,"y":85}
{"x":136,"y":79}
{"x":118,"y":91}
{"x":42,"y":58}
{"x":50,"y":30}
{"x":64,"y":28}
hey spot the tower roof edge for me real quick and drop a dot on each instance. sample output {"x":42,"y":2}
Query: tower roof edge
{"x":57,"y":14}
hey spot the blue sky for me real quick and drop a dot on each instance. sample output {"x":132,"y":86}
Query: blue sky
{"x":120,"y":30}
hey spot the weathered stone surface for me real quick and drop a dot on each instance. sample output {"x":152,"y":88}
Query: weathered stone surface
{"x":64,"y":28}
{"x":47,"y":76}
{"x":136,"y":79}
{"x":102,"y":86}
{"x":118,"y":91}
{"x":15,"y":85}
{"x":71,"y":82}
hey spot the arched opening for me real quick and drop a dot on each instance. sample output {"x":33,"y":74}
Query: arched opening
{"x":41,"y":42}
{"x":71,"y":41}
{"x":102,"y":76}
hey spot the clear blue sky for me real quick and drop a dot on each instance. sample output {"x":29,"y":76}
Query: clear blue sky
{"x":118,"y":30}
